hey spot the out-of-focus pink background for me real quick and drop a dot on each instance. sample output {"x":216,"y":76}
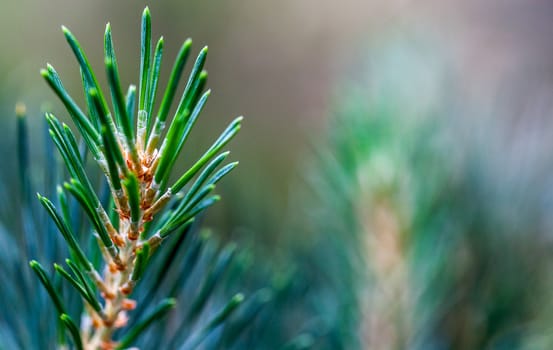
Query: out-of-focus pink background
{"x":282,"y":64}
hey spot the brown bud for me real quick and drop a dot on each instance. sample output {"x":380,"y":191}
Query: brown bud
{"x":127,"y":288}
{"x":128,"y":304}
{"x":113,"y":267}
{"x":107,"y":345}
{"x":108,"y":295}
{"x":121,"y":320}
{"x":96,"y":322}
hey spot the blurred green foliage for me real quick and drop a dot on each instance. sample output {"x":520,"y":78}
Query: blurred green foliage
{"x":448,"y":217}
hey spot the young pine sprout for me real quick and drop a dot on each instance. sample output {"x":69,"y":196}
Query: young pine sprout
{"x":136,"y":154}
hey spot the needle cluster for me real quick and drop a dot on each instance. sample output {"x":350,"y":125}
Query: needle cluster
{"x":129,"y":143}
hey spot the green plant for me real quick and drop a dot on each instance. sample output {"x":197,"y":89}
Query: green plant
{"x":141,"y":211}
{"x":444,"y":228}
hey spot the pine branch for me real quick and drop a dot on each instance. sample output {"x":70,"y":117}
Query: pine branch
{"x":136,"y":162}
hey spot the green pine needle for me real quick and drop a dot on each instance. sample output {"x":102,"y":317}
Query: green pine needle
{"x":73,"y":330}
{"x":54,"y":295}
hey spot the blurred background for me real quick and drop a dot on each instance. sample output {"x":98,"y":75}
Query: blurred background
{"x":285,"y":65}
{"x":395,"y":159}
